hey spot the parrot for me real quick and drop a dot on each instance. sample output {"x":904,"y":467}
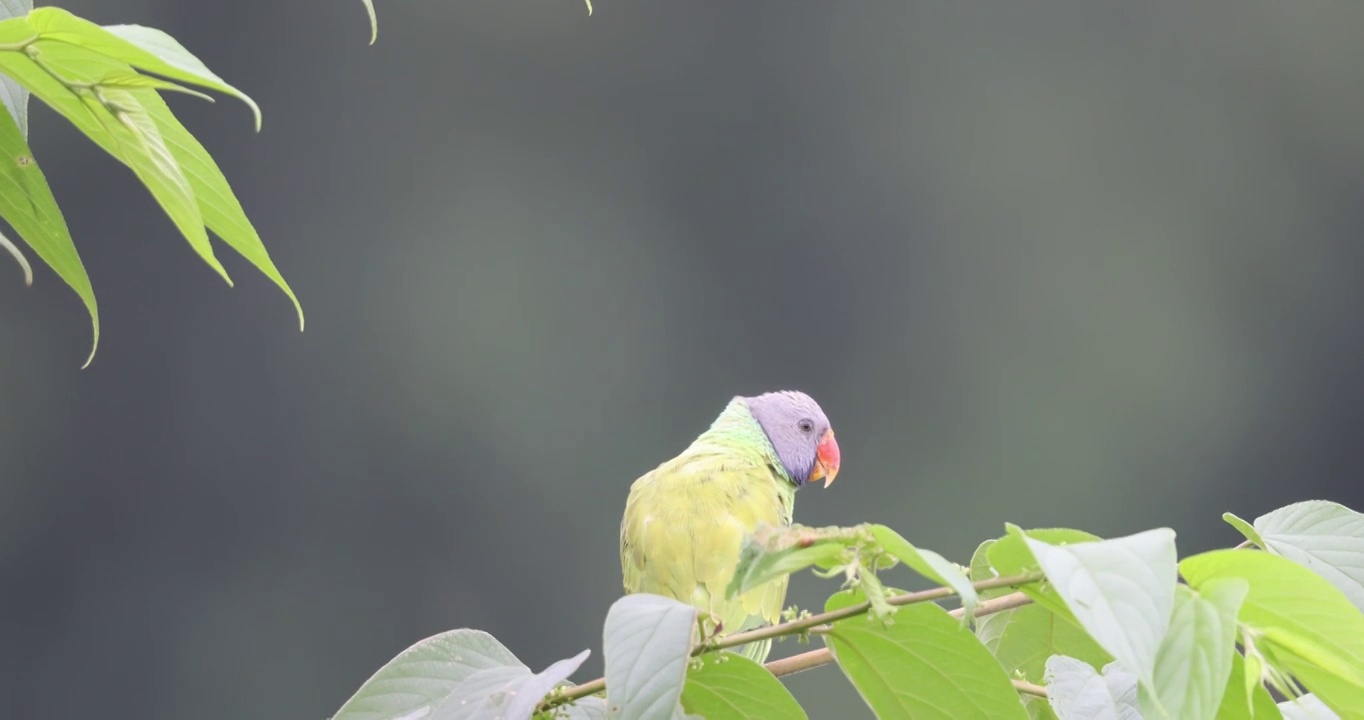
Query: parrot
{"x":685,"y":520}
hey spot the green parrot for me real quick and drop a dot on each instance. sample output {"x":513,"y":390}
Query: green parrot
{"x":686,"y":519}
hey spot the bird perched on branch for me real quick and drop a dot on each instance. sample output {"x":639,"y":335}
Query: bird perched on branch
{"x":686,"y":519}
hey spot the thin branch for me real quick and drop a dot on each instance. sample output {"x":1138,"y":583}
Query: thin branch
{"x":806,"y":624}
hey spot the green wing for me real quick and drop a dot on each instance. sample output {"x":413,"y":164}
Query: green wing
{"x":684,"y":526}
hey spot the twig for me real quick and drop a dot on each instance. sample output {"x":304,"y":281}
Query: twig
{"x":802,"y":625}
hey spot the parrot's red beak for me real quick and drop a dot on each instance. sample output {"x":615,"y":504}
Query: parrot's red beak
{"x":826,"y":459}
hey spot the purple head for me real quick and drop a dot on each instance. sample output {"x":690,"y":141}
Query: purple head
{"x":800,"y":433}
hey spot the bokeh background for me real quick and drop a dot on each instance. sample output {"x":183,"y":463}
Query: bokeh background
{"x":1091,"y":264}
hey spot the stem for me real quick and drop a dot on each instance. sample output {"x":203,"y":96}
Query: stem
{"x":815,"y":658}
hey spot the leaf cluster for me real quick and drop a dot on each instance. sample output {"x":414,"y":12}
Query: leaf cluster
{"x":1098,"y":628}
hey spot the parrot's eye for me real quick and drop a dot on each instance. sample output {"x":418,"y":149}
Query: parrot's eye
{"x":805,"y":425}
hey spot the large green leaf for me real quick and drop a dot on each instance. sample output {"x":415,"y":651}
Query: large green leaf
{"x":647,"y":642}
{"x":1301,"y":622}
{"x":1077,"y":692}
{"x":1010,"y":555}
{"x":26,"y":203}
{"x":423,"y":675}
{"x":511,"y":693}
{"x":922,"y":664}
{"x":730,"y":686}
{"x":1326,"y":537}
{"x":1023,"y":638}
{"x":1237,"y":704}
{"x":1194,"y":660}
{"x":1121,"y":591}
{"x":930,"y":565}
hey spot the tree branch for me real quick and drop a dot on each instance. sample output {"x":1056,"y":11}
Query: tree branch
{"x":815,"y":658}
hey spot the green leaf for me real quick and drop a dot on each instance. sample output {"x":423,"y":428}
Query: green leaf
{"x":423,"y":675}
{"x":504,"y":692}
{"x":920,"y":664}
{"x":930,"y":565}
{"x":1305,"y":625}
{"x":373,"y":21}
{"x":1010,"y":555}
{"x":772,"y":552}
{"x":588,"y":708}
{"x":647,"y":641}
{"x":1077,"y":692}
{"x":1244,"y":692}
{"x":1307,"y":707}
{"x":1121,"y":591}
{"x":1194,"y":660}
{"x":27,"y":204}
{"x":133,"y":79}
{"x":1023,"y":638}
{"x":1325,"y":537}
{"x":131,"y":135}
{"x":486,"y":694}
{"x":221,"y":211}
{"x":726,"y":685}
{"x":981,"y":570}
{"x":145,"y":48}
{"x":1244,"y":527}
{"x":14,"y":95}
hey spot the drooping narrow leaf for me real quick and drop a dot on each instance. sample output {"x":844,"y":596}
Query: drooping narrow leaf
{"x":921,"y":665}
{"x":1325,"y":537}
{"x":221,"y":211}
{"x":8,"y":246}
{"x":14,"y":95}
{"x":1245,"y":528}
{"x":1077,"y":692}
{"x":1121,"y":591}
{"x":423,"y":675}
{"x":133,"y":138}
{"x":27,"y":204}
{"x":1305,"y":625}
{"x":141,"y":47}
{"x":646,"y":642}
{"x":930,"y":565}
{"x":373,"y":21}
{"x":730,"y":686}
{"x":1195,"y":656}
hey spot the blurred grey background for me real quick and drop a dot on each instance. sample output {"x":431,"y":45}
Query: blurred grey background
{"x":1090,"y":264}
